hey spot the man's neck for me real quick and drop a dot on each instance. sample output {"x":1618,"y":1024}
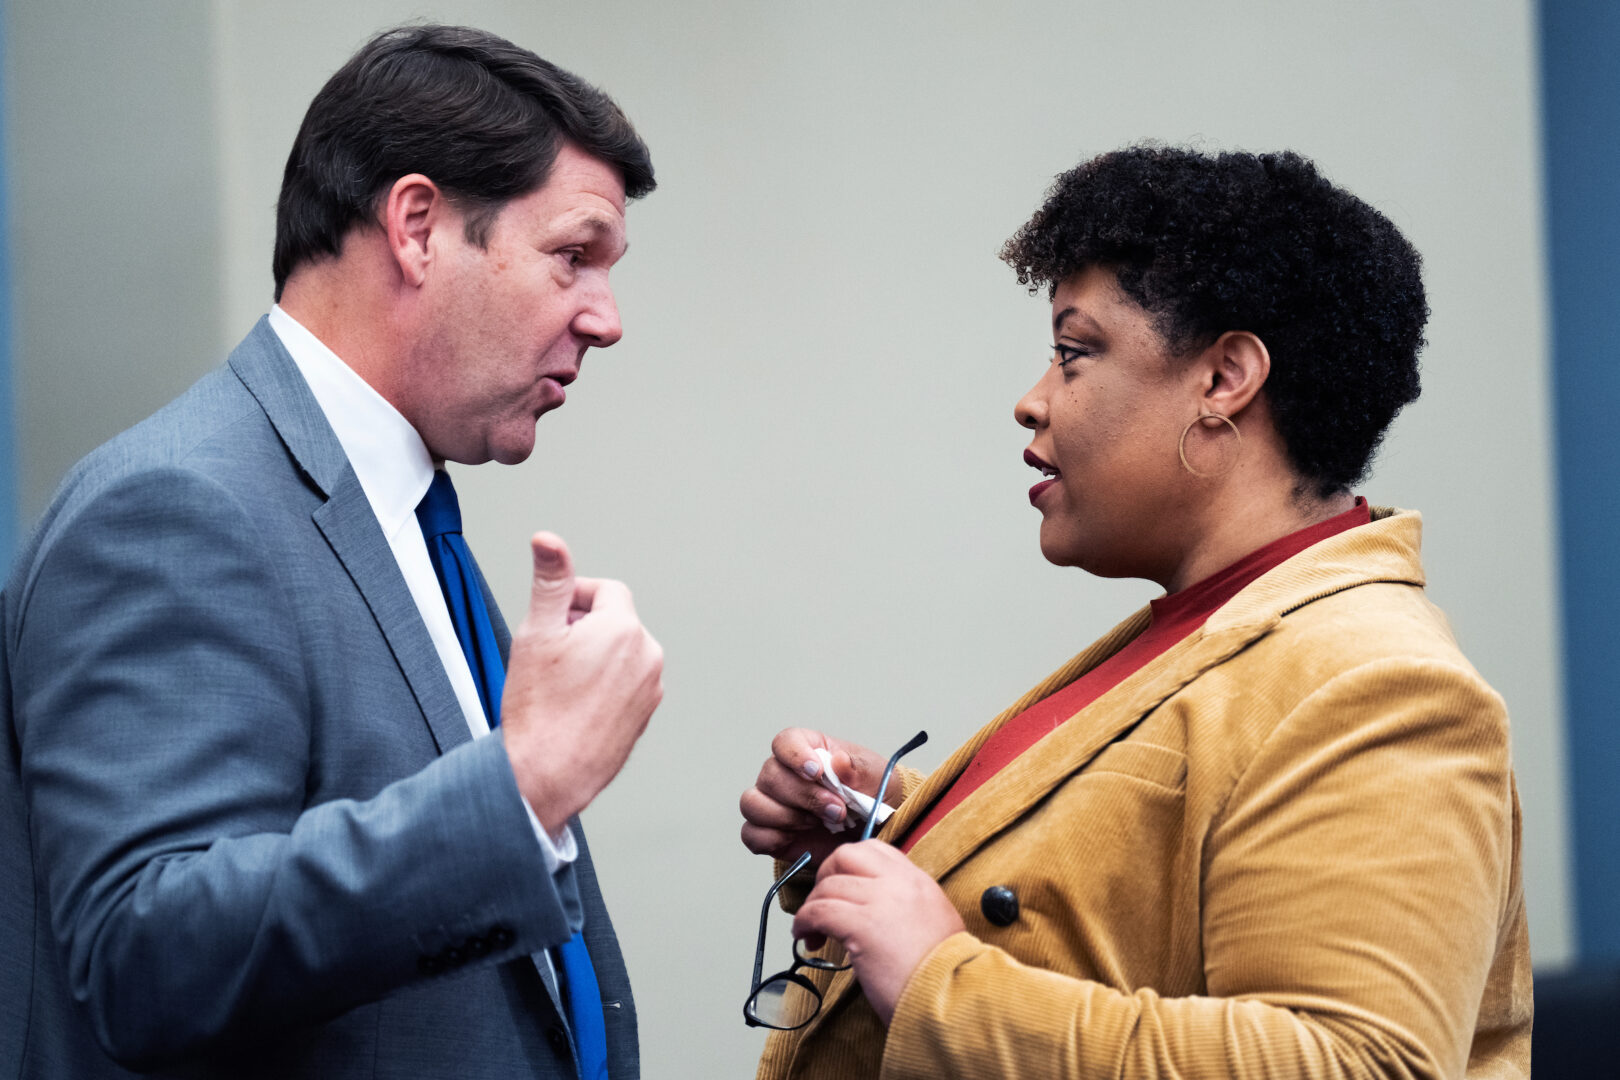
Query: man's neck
{"x":346,"y":315}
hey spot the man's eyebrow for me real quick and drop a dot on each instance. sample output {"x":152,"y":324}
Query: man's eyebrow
{"x":598,"y":224}
{"x":601,"y":227}
{"x":1075,"y":313}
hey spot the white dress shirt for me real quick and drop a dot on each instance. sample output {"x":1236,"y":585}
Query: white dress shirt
{"x":395,"y":470}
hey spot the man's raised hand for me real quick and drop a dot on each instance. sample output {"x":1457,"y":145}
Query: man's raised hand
{"x":583,"y":678}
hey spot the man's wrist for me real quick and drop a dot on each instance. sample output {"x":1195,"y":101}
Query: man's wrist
{"x":540,"y":798}
{"x":559,"y":849}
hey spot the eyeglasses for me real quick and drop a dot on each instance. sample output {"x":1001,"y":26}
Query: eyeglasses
{"x":787,"y":1000}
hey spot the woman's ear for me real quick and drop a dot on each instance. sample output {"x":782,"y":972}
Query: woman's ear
{"x":1236,"y":367}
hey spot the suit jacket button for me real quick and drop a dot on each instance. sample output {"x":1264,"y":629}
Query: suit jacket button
{"x":501,"y":937}
{"x":429,"y":965}
{"x":454,"y":956}
{"x":1000,"y":905}
{"x":476,"y":946}
{"x":559,"y":1041}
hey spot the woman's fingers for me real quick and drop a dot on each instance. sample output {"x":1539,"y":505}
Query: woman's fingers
{"x":788,"y":808}
{"x":871,"y":858}
{"x":769,"y":811}
{"x":888,"y":913}
{"x":790,"y":789}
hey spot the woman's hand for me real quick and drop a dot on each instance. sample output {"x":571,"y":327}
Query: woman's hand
{"x":888,"y":913}
{"x":785,"y":812}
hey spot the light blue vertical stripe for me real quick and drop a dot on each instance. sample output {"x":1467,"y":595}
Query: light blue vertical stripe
{"x":9,"y":465}
{"x":1580,"y":44}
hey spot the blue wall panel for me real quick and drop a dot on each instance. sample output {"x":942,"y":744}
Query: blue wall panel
{"x":1580,"y":44}
{"x":9,"y":469}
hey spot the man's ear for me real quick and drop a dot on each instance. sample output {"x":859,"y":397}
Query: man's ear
{"x":1234,"y":369}
{"x":412,"y":209}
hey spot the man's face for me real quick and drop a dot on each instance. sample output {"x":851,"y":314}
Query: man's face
{"x":505,"y":328}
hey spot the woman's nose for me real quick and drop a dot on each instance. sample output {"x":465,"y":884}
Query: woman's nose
{"x":1030,"y":411}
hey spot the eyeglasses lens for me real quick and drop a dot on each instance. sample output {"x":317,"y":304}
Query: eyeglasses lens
{"x":784,"y":1003}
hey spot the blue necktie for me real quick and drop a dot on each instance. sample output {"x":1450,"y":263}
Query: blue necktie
{"x":440,"y":517}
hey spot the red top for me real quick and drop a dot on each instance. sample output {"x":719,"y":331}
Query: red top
{"x":1174,"y":617}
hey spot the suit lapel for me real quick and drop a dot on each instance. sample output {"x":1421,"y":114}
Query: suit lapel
{"x":350,"y":527}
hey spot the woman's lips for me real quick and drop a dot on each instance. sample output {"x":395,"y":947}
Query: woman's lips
{"x":1035,"y":461}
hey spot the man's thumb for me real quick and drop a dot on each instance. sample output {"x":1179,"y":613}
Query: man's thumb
{"x":552,"y":593}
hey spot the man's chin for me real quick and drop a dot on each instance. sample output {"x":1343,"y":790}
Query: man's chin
{"x":516,"y":450}
{"x":500,"y":453}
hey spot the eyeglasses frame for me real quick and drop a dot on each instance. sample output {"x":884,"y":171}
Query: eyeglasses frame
{"x":792,"y":975}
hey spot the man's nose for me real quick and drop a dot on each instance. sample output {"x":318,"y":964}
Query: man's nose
{"x":598,"y":320}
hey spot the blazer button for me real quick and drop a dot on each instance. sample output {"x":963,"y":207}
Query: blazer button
{"x":501,"y":937}
{"x":429,"y":965}
{"x":558,"y":1040}
{"x":1000,"y":905}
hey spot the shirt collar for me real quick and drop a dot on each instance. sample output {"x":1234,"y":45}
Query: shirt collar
{"x":389,"y":458}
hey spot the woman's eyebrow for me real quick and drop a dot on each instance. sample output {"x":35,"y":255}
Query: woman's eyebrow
{"x":1074,"y":313}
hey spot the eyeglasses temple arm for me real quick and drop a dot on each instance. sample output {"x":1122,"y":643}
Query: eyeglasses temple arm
{"x":765,"y":910}
{"x":883,"y":785}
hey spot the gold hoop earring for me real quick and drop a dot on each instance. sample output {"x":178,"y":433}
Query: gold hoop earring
{"x":1181,"y":444}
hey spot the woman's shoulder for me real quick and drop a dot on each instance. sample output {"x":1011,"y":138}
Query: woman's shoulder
{"x":1369,"y":653}
{"x":1354,"y":599}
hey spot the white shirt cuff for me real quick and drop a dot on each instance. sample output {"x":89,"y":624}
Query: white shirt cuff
{"x":557,"y":851}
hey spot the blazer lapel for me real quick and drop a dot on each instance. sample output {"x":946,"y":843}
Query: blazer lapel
{"x":1007,"y":795}
{"x":346,"y":520}
{"x":940,"y":780}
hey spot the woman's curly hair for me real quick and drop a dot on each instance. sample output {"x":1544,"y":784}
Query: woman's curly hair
{"x":1257,"y":242}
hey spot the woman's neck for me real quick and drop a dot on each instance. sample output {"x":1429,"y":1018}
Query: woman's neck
{"x":1244,"y":519}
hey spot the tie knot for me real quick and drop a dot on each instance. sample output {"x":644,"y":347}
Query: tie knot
{"x":438,"y":513}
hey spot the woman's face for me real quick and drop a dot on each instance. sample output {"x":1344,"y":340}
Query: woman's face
{"x":1106,"y":416}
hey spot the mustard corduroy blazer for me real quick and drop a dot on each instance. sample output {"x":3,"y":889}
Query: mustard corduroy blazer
{"x":1286,"y":847}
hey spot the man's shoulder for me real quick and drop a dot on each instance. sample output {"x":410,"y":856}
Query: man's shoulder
{"x":213,"y":428}
{"x":218,"y":428}
{"x":216,"y":435}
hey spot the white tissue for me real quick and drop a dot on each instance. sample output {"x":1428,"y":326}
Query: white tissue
{"x":858,"y":803}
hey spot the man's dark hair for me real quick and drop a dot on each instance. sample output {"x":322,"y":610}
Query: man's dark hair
{"x":479,"y":116}
{"x":1258,"y":242}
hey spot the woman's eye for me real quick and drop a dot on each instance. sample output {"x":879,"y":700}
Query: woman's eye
{"x":1063,"y":355}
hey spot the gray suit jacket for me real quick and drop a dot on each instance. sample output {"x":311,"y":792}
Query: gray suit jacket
{"x":243,"y":828}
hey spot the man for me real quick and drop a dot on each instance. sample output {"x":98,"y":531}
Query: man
{"x":250,"y":826}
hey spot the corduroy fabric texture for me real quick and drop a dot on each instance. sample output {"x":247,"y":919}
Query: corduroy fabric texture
{"x":1289,"y":846}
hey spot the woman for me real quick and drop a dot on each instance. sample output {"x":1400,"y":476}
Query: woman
{"x":1266,"y":827}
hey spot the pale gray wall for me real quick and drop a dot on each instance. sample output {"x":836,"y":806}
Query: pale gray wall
{"x":115,"y":205}
{"x":802,"y":456}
